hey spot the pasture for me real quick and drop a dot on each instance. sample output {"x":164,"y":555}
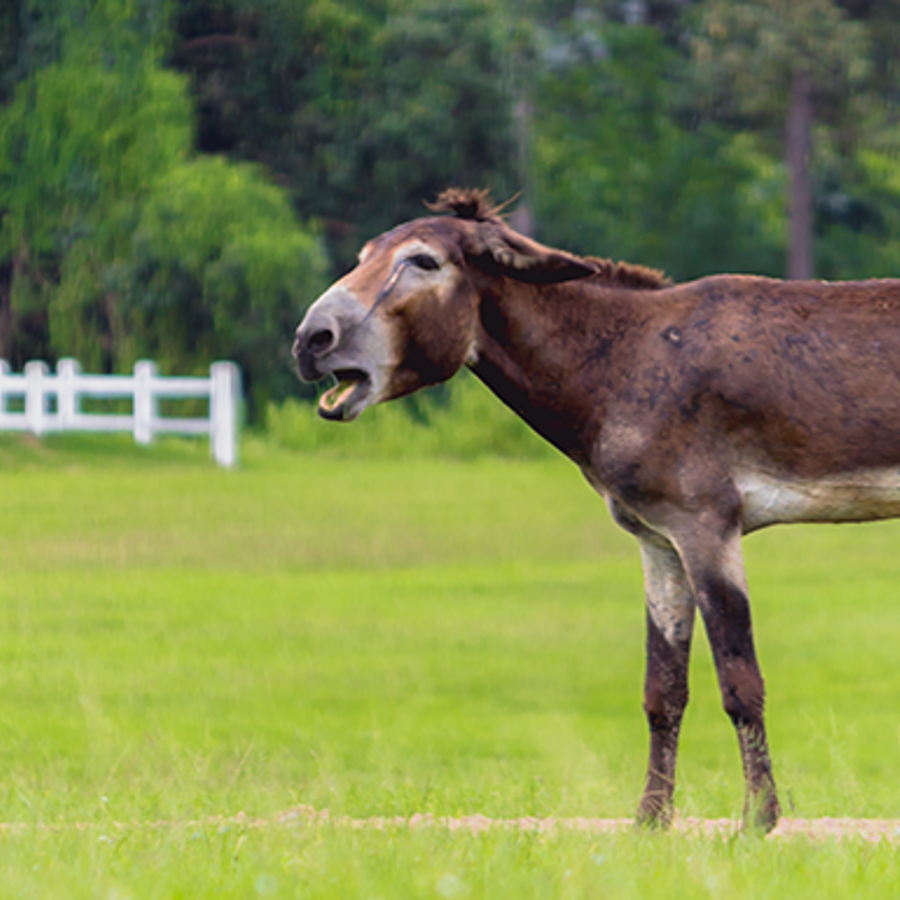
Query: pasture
{"x":181,"y":645}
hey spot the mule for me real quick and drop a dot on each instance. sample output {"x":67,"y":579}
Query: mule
{"x":700,"y":412}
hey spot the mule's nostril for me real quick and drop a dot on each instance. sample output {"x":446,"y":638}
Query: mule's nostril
{"x":320,"y":341}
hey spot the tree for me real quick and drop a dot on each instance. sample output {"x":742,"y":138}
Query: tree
{"x":116,"y":242}
{"x":616,"y":174}
{"x":219,"y":268}
{"x":793,"y":62}
{"x":54,"y":55}
{"x":78,"y":155}
{"x":362,"y":109}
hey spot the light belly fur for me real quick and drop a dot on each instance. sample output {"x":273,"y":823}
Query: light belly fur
{"x":852,"y":497}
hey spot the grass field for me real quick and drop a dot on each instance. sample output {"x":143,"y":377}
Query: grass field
{"x":379,"y":638}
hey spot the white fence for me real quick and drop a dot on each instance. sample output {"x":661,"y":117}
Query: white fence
{"x":36,"y":388}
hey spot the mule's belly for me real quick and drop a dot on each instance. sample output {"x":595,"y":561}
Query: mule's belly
{"x":857,"y":497}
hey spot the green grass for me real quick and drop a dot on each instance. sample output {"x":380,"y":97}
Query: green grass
{"x":381,"y":637}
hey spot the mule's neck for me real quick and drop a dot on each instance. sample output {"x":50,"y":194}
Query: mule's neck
{"x":544,"y":351}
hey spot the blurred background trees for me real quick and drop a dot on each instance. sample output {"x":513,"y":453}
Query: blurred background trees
{"x":785,"y":66}
{"x":179,"y":179}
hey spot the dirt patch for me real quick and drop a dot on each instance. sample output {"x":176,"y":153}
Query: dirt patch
{"x":872,"y":830}
{"x":827,"y":828}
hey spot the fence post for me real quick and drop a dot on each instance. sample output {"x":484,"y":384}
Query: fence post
{"x":35,"y":403}
{"x":224,"y":395}
{"x":67,"y":370}
{"x":144,"y":401}
{"x":4,"y":369}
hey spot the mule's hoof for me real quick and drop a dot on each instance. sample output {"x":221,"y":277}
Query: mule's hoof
{"x":654,"y":816}
{"x":763,"y":817}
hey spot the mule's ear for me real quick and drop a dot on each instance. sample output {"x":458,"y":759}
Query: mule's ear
{"x":497,"y":247}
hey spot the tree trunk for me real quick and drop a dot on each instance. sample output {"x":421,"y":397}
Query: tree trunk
{"x":798,"y":150}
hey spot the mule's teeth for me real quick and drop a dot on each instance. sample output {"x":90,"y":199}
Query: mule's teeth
{"x":334,"y":397}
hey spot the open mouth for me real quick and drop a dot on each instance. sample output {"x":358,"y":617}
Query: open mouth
{"x":351,"y":383}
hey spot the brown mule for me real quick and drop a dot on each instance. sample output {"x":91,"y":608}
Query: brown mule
{"x":700,"y":412}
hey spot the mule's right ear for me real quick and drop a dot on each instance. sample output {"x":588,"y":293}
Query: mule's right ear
{"x":495,"y":246}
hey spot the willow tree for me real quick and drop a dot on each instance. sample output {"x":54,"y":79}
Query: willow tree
{"x":783,"y":66}
{"x":118,"y":241}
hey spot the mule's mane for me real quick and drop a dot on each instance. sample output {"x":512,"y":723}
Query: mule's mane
{"x":629,"y":275}
{"x":467,"y":203}
{"x":476,"y":205}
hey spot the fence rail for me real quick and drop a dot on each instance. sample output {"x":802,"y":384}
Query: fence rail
{"x":53,"y":402}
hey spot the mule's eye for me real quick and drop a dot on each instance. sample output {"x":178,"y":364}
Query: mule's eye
{"x":424,"y":261}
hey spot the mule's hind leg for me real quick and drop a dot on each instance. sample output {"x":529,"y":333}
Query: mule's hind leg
{"x":670,"y":619}
{"x":715,"y":568}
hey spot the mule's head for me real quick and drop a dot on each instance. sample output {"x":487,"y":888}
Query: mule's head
{"x":408,"y":315}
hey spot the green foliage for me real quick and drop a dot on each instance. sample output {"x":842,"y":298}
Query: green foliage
{"x":219,"y":269}
{"x":80,"y":147}
{"x":616,"y":175}
{"x":746,"y":54}
{"x":858,"y":234}
{"x":79,"y":154}
{"x":120,"y":244}
{"x":38,"y":33}
{"x":77,"y":142}
{"x":365,"y":108}
{"x":767,"y":67}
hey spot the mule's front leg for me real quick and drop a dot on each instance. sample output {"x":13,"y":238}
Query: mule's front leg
{"x":665,"y":697}
{"x":670,"y":620}
{"x":720,"y":586}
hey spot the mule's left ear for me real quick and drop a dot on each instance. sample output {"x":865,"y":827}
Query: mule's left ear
{"x":496,"y":246}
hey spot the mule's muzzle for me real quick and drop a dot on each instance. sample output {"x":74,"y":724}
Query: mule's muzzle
{"x":339,"y":337}
{"x":310,"y":346}
{"x":319,"y":354}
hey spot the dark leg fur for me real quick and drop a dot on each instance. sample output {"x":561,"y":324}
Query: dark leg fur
{"x":726,"y":612}
{"x":665,"y":697}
